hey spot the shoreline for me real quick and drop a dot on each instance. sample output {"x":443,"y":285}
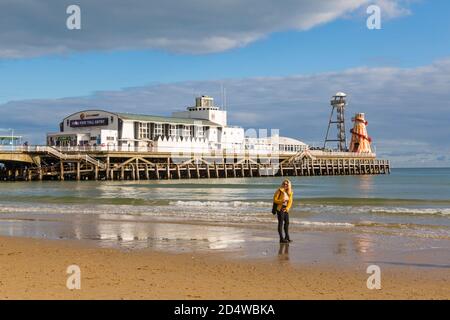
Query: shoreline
{"x":36,"y":269}
{"x":330,"y":246}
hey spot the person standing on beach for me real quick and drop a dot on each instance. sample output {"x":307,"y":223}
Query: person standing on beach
{"x":283,"y":198}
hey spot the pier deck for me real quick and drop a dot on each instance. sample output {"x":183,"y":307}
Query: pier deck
{"x":48,"y":163}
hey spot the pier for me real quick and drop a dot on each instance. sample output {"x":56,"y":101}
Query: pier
{"x":37,"y":163}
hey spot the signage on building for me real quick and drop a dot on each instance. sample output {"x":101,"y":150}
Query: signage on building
{"x":65,"y":138}
{"x":89,"y":122}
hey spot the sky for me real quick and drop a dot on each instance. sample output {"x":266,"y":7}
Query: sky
{"x":280,"y":62}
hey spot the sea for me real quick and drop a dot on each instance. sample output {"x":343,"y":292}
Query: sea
{"x":222,"y":213}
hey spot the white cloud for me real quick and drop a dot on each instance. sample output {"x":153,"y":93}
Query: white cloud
{"x":408,"y":109}
{"x":393,"y":8}
{"x":38,"y":27}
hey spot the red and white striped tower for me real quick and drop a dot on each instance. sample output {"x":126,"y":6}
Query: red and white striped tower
{"x":360,"y":140}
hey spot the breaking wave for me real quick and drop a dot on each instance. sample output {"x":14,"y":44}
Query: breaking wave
{"x":221,"y":204}
{"x":413,"y":211}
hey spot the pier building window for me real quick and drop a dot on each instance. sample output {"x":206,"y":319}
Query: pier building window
{"x":172,"y":130}
{"x":185,"y":131}
{"x":157,"y":130}
{"x":199,"y":132}
{"x":143,"y":131}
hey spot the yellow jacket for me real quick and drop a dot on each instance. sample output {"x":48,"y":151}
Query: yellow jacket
{"x":278,"y":198}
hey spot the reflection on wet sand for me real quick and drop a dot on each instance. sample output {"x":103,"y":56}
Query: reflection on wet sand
{"x":240,"y":242}
{"x":360,"y":244}
{"x":168,"y":236}
{"x":364,"y":244}
{"x":283,"y":252}
{"x":341,"y":248}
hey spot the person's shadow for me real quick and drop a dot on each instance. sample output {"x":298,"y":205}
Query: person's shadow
{"x":283,"y":252}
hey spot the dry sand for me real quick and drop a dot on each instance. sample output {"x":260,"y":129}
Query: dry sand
{"x":36,"y":269}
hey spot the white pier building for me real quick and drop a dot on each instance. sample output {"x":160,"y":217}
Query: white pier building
{"x":201,"y":128}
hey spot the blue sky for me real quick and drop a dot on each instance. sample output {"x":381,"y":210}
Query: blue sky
{"x":40,"y":67}
{"x":411,"y":40}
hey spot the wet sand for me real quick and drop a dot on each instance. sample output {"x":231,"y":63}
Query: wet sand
{"x":340,"y":247}
{"x":36,"y":269}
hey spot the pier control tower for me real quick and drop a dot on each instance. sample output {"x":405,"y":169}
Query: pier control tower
{"x":338,"y":103}
{"x":204,"y":109}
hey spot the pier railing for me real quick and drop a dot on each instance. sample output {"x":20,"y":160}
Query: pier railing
{"x":41,"y":148}
{"x":174,"y":151}
{"x":134,"y":149}
{"x":320,"y":153}
{"x":90,"y":154}
{"x":54,"y":152}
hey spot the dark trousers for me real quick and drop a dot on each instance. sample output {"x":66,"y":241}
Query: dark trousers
{"x":283,"y":218}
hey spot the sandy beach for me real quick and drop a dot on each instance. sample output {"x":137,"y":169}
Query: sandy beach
{"x":36,"y":269}
{"x":218,"y":240}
